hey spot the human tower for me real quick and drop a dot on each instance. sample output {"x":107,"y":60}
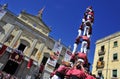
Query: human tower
{"x":78,"y":67}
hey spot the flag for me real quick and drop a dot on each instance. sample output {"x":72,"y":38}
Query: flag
{"x":3,"y":49}
{"x":30,"y":62}
{"x":54,"y":56}
{"x":67,"y":56}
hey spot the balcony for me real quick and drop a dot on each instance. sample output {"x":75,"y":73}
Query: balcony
{"x":10,"y":50}
{"x":100,"y":64}
{"x":101,"y":52}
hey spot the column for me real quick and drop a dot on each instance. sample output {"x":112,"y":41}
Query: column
{"x":32,"y":47}
{"x":15,"y":39}
{"x":1,"y":30}
{"x":39,"y":53}
{"x":7,"y":33}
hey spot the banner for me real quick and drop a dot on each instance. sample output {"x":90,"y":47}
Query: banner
{"x":2,"y":13}
{"x":55,"y":54}
{"x":2,"y":50}
{"x":30,"y":62}
{"x":16,"y":57}
{"x":67,"y":55}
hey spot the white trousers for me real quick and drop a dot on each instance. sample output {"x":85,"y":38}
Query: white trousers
{"x":84,"y":47}
{"x":74,"y":48}
{"x":55,"y":77}
{"x":79,"y":32}
{"x":86,"y":31}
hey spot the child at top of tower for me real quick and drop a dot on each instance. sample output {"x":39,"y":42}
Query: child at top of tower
{"x":88,"y":15}
{"x":89,"y":9}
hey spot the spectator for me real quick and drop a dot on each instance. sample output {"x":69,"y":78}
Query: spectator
{"x":12,"y":77}
{"x":41,"y":68}
{"x":7,"y":76}
{"x":1,"y":75}
{"x":38,"y":76}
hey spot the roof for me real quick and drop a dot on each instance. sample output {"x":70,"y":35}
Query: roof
{"x":108,"y":37}
{"x":37,"y":19}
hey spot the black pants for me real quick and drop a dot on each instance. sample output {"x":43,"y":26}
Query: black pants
{"x":74,"y":77}
{"x":60,"y":75}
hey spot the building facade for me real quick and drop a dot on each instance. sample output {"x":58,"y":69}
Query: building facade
{"x":25,"y":44}
{"x":107,"y":57}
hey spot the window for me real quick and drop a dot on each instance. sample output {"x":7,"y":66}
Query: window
{"x":103,"y":48}
{"x":34,"y":25}
{"x":115,"y":44}
{"x":24,"y":18}
{"x":114,"y":73}
{"x":100,"y":73}
{"x":115,"y":56}
{"x":101,"y":59}
{"x":9,"y":39}
{"x":34,"y":51}
{"x":22,"y":47}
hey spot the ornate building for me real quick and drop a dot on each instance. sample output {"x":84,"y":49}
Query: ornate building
{"x":25,"y":44}
{"x":107,"y":55}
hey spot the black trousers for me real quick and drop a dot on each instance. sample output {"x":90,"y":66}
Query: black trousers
{"x":74,"y":77}
{"x":60,"y":75}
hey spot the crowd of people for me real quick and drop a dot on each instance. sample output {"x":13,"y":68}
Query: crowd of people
{"x":79,"y":70}
{"x":4,"y":75}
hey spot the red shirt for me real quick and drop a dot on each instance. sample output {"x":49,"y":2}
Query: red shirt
{"x":62,"y":69}
{"x":76,"y":72}
{"x":83,"y":56}
{"x":89,"y":77}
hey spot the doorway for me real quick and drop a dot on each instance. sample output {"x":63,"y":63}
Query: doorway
{"x":10,"y":67}
{"x":21,"y":47}
{"x":44,"y":60}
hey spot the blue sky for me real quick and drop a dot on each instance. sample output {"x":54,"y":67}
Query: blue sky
{"x":64,"y":17}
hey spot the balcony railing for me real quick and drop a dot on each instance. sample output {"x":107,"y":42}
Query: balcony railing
{"x":100,"y":64}
{"x":101,"y":52}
